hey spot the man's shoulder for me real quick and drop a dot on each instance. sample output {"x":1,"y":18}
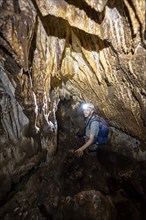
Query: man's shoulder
{"x":94,"y":121}
{"x":95,"y":118}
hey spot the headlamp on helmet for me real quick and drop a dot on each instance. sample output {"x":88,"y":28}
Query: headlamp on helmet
{"x":88,"y":106}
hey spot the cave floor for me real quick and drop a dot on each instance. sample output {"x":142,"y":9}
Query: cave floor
{"x":71,"y":188}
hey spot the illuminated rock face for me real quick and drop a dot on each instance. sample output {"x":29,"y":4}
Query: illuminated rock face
{"x":99,"y":56}
{"x":84,"y":50}
{"x":91,"y":50}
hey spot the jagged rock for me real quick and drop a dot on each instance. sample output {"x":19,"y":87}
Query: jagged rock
{"x":89,"y":205}
{"x":93,"y":58}
{"x":54,"y":55}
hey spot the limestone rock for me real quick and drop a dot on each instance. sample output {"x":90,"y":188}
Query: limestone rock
{"x":77,"y":51}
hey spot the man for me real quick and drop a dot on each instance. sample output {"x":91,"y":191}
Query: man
{"x":92,"y":130}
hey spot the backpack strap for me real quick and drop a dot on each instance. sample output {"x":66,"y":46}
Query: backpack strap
{"x":104,"y":122}
{"x":100,"y":120}
{"x":96,"y":118}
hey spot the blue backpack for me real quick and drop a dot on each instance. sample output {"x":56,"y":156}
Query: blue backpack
{"x":103,"y":129}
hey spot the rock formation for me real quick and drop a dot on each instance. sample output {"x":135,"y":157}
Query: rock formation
{"x":54,"y":55}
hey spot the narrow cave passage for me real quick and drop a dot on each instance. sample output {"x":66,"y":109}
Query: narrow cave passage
{"x":118,"y":177}
{"x":109,"y":186}
{"x":54,"y":55}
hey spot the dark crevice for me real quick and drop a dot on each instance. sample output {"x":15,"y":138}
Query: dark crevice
{"x":5,"y":51}
{"x":129,"y":20}
{"x":132,"y":192}
{"x":116,"y":4}
{"x":33,"y":45}
{"x":16,"y":7}
{"x":18,"y":186}
{"x":15,"y":187}
{"x":45,"y":211}
{"x":91,"y":12}
{"x":62,"y":29}
{"x":6,"y":42}
{"x":144,"y":35}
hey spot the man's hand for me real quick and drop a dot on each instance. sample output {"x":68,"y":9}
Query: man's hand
{"x":79,"y":152}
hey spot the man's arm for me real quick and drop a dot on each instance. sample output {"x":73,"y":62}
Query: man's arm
{"x":79,"y":151}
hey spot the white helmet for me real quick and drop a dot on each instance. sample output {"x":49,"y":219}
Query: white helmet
{"x":88,"y":106}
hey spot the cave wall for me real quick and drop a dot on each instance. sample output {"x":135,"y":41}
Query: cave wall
{"x":102,"y":57}
{"x":90,"y":50}
{"x":79,"y":50}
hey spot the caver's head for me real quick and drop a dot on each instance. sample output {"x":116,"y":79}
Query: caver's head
{"x":88,"y":109}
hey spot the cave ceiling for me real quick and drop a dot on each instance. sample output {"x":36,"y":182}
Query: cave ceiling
{"x":85,"y":50}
